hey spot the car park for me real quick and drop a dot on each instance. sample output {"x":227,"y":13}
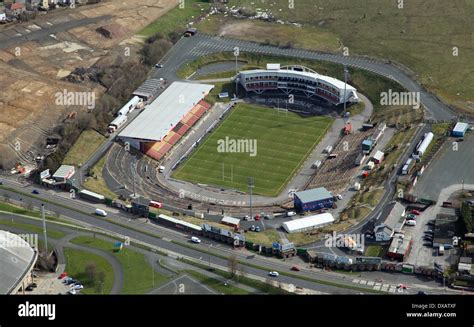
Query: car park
{"x":273,"y":274}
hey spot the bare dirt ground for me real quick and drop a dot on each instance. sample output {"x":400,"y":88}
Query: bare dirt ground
{"x":48,"y":49}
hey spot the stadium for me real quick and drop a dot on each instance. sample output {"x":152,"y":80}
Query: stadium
{"x":17,"y":260}
{"x":300,"y":80}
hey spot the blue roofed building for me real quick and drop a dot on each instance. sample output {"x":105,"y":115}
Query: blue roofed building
{"x":313,"y":199}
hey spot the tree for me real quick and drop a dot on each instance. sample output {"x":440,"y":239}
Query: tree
{"x":232,"y":264}
{"x":91,"y":271}
{"x":466,"y":215}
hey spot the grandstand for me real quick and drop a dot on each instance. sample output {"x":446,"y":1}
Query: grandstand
{"x":167,"y":119}
{"x":299,"y":79}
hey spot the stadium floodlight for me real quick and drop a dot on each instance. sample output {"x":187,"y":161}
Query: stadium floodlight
{"x":251,"y":186}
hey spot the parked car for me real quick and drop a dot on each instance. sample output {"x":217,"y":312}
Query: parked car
{"x":431,"y":223}
{"x":415,"y":212}
{"x":429,"y":231}
{"x":258,"y":217}
{"x":35,"y":192}
{"x":339,"y":196}
{"x":77,"y":287}
{"x":411,"y":223}
{"x":290,"y":214}
{"x":295,"y":268}
{"x":273,"y":274}
{"x":159,"y":65}
{"x":411,"y":216}
{"x":195,"y":239}
{"x":402,"y":286}
{"x":257,"y":229}
{"x":71,"y":281}
{"x":63,"y":275}
{"x":252,"y":228}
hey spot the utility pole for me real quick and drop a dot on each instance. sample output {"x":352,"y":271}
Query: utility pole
{"x":251,"y":186}
{"x":345,"y":87}
{"x":133,"y":173}
{"x":43,"y":216}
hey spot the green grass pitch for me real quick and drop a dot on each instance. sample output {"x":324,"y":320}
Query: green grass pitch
{"x":284,"y":140}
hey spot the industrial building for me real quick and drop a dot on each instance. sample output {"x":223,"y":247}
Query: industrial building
{"x":64,"y":173}
{"x":290,"y":79}
{"x":232,"y":222}
{"x":308,"y":223}
{"x":17,"y":260}
{"x":313,"y":199}
{"x":444,"y":231}
{"x":149,"y":89}
{"x":460,"y":129}
{"x":167,"y":119}
{"x":400,"y":247}
{"x":393,"y":215}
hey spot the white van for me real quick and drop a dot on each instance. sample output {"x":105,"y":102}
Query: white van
{"x":194,"y":239}
{"x":290,"y":214}
{"x":100,"y":212}
{"x":161,"y":169}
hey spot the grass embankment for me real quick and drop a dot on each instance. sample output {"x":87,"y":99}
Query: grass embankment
{"x":85,"y":146}
{"x":77,"y":262}
{"x":137,"y":273}
{"x":97,"y":183}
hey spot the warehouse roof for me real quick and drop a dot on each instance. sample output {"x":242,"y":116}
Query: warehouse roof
{"x":393,"y":216}
{"x":315,"y":194}
{"x":400,"y":244}
{"x":16,"y":258}
{"x":180,"y":222}
{"x":308,"y":222}
{"x":460,"y":127}
{"x":64,"y":171}
{"x":166,"y":111}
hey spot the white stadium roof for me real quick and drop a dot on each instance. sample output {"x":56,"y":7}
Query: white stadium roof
{"x":166,"y":111}
{"x":308,"y":223}
{"x":16,"y":258}
{"x":312,"y":75}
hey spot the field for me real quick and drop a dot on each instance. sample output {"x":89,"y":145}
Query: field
{"x":85,"y":146}
{"x":431,"y":37}
{"x":283,"y":141}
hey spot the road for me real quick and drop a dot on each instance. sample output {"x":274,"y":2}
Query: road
{"x":154,"y":235}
